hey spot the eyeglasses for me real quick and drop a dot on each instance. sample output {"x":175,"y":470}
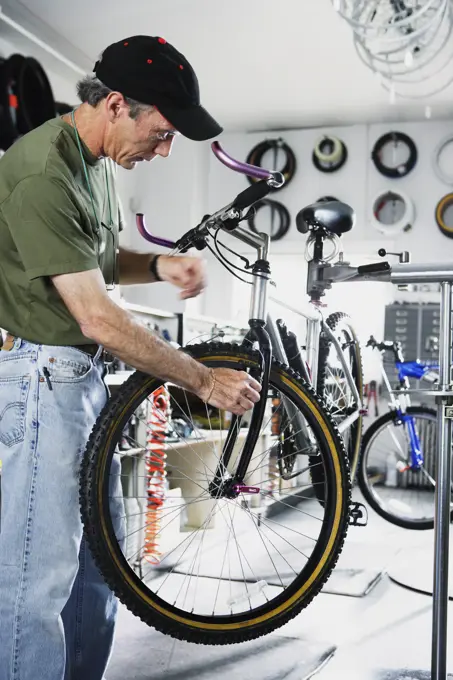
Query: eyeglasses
{"x":165,"y":136}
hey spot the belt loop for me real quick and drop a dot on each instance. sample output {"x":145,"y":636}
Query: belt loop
{"x":98,"y":353}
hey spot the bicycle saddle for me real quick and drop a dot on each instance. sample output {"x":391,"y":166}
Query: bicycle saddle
{"x":333,"y":216}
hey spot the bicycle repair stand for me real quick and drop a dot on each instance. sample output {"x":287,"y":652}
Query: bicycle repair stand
{"x":443,"y":488}
{"x":444,"y":400}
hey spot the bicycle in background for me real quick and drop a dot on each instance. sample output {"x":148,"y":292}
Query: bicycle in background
{"x":397,"y":469}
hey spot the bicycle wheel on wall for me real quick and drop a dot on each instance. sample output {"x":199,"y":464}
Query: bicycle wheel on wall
{"x":243,"y":564}
{"x":399,"y":494}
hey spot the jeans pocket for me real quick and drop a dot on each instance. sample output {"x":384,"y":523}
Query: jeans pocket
{"x":13,"y":404}
{"x":66,"y":368}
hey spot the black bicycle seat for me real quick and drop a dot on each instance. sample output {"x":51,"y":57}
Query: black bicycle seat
{"x":333,"y":216}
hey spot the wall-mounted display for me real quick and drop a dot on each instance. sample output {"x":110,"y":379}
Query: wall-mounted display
{"x":329,"y":154}
{"x":282,"y":159}
{"x":394,"y":155}
{"x":444,"y":215}
{"x":269,"y":217}
{"x":392,"y":212}
{"x":439,"y":151}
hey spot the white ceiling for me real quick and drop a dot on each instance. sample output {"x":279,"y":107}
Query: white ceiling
{"x":262,"y":64}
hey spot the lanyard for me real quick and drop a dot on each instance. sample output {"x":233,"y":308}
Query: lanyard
{"x":88,"y":179}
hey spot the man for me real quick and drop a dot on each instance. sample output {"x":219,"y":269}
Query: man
{"x":59,"y":223}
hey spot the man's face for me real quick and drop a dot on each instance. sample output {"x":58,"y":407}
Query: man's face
{"x":140,"y":139}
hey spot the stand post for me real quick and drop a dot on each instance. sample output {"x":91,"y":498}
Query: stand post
{"x":443,"y":493}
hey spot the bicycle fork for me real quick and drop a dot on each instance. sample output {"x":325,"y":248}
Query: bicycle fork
{"x":416,"y":450}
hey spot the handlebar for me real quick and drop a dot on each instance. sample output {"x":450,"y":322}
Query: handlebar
{"x":387,"y":346}
{"x":141,"y":226}
{"x":227,"y":218}
{"x":275,"y":179}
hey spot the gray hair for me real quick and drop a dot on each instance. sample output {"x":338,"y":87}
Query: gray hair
{"x":91,"y":90}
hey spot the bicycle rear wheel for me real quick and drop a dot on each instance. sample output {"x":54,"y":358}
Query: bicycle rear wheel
{"x":333,"y":388}
{"x":332,"y":383}
{"x":401,"y":496}
{"x":243,"y":564}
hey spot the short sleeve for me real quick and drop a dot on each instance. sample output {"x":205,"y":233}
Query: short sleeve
{"x":46,"y":227}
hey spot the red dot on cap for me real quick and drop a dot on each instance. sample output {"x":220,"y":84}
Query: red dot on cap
{"x":126,"y":44}
{"x":162,"y":41}
{"x":150,"y":61}
{"x":181,"y":67}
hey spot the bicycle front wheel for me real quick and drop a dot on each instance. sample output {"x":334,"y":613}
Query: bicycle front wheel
{"x":240,"y":564}
{"x":395,"y":489}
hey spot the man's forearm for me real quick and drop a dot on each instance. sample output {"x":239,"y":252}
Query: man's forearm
{"x":119,"y":332}
{"x":134,"y":267}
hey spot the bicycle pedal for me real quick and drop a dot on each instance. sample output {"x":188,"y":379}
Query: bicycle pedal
{"x":358,"y":516}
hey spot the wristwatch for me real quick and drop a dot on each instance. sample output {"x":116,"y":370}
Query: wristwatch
{"x":153,"y":268}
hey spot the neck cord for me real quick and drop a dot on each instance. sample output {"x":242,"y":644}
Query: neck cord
{"x":87,"y":178}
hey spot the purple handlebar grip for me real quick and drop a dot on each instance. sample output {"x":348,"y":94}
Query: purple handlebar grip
{"x":238,"y":166}
{"x":141,"y":226}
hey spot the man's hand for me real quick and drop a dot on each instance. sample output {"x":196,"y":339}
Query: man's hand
{"x":234,"y":391}
{"x":187,"y":273}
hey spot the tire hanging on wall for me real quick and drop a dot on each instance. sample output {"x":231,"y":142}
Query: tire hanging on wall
{"x":404,"y":223}
{"x":402,"y":169}
{"x":279,"y":209}
{"x":446,"y":179}
{"x":256,"y":156}
{"x":329,"y":154}
{"x":31,"y":92}
{"x":444,"y":203}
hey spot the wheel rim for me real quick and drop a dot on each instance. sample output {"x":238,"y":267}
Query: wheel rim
{"x":405,"y":494}
{"x":252,"y":589}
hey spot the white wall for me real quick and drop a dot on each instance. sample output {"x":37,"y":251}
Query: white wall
{"x":171,"y":193}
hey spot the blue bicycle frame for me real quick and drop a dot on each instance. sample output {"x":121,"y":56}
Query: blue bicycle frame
{"x":400,"y":399}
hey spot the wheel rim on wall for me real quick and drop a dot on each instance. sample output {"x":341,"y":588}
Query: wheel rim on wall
{"x":393,"y":212}
{"x":329,"y":154}
{"x":445,"y":203}
{"x":288,"y":169}
{"x":399,"y":169}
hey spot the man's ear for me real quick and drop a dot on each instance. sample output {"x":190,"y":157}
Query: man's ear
{"x":115,"y":105}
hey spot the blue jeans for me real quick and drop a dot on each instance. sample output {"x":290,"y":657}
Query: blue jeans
{"x":57,"y":616}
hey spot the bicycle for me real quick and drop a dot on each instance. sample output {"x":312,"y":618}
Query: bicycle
{"x":257,"y":572}
{"x":398,"y":460}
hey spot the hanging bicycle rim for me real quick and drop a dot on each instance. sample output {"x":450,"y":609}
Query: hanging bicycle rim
{"x":444,"y":177}
{"x":276,"y":223}
{"x":329,"y":154}
{"x":444,"y":215}
{"x":277,"y":147}
{"x":394,"y":155}
{"x":392,"y":212}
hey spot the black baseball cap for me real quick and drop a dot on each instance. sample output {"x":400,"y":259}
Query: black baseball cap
{"x":151,"y":71}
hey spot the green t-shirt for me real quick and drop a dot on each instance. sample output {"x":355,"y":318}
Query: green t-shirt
{"x":48,"y":227}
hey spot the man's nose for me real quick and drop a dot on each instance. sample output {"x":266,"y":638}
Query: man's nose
{"x":164,"y":148}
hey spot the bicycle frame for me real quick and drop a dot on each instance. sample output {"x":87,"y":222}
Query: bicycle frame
{"x":400,"y":399}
